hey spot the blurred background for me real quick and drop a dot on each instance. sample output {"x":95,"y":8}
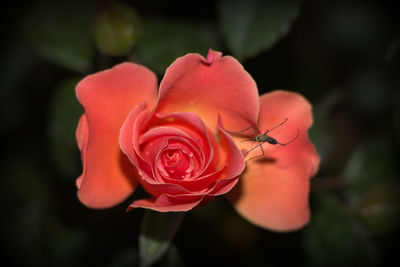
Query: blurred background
{"x":342,"y":55}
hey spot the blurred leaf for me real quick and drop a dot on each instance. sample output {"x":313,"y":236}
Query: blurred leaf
{"x":65,"y":114}
{"x":172,"y":258}
{"x":126,"y":258}
{"x":26,"y":203}
{"x":245,"y":238}
{"x":380,"y":208}
{"x":321,"y":137}
{"x":69,"y":246}
{"x":115,"y":28}
{"x":348,"y":26}
{"x":16,"y":64}
{"x":252,"y":26}
{"x":60,"y":31}
{"x":158,"y":229}
{"x":333,"y":238}
{"x":165,"y":40}
{"x":372,"y":92}
{"x":396,"y":115}
{"x":371,"y":164}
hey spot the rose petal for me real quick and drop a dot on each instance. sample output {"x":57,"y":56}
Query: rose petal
{"x":167,"y":202}
{"x":129,"y":131}
{"x":273,"y":191}
{"x":234,"y":163}
{"x":271,"y":197}
{"x":278,"y":105}
{"x":216,"y":85}
{"x":107,"y":98}
{"x":82,"y":133}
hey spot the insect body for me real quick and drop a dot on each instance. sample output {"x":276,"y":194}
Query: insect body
{"x":264,"y":138}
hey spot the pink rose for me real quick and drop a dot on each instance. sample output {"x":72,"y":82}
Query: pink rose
{"x":176,"y":147}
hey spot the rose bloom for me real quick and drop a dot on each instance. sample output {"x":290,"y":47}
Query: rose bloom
{"x":175,"y":141}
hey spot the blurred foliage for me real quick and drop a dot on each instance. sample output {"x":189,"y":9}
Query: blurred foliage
{"x":60,"y":31}
{"x":396,"y":115}
{"x":250,"y":26}
{"x":164,"y":40}
{"x":344,"y":56}
{"x":64,"y":117}
{"x":19,"y":63}
{"x":333,"y":237}
{"x":116,"y":28}
{"x":371,"y":164}
{"x":158,"y":229}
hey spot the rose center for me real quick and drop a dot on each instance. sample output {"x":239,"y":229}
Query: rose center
{"x":171,"y":157}
{"x":176,"y":163}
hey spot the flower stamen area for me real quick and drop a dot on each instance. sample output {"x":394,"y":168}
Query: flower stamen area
{"x":176,"y":162}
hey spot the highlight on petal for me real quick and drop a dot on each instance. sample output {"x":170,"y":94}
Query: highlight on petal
{"x":273,"y":191}
{"x":107,"y":97}
{"x":211,"y":86}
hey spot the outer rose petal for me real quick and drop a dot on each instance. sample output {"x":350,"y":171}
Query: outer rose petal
{"x":278,"y":105}
{"x":107,"y":97}
{"x":167,"y":203}
{"x":82,"y":133}
{"x":216,"y":85}
{"x":273,"y":192}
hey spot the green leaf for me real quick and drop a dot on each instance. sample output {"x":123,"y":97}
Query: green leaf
{"x":396,"y":115}
{"x":370,"y":164}
{"x":251,"y":26}
{"x":158,"y":229}
{"x":17,"y":63}
{"x":334,"y":238}
{"x":380,"y":208}
{"x":60,"y":32}
{"x":127,"y":257}
{"x":65,"y":113}
{"x":372,"y":184}
{"x":116,"y":28}
{"x":172,"y":258}
{"x":372,"y":92}
{"x":164,"y":40}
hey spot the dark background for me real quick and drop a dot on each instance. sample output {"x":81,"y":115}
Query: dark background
{"x":342,"y":55}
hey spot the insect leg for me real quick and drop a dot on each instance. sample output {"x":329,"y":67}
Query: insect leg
{"x":251,"y":127}
{"x":280,"y":124}
{"x":291,"y":140}
{"x":259,"y":145}
{"x":255,"y":134}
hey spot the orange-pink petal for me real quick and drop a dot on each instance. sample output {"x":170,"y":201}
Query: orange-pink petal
{"x":273,"y":191}
{"x":271,"y":197}
{"x":208,"y":87}
{"x":167,"y":203}
{"x":107,"y":97}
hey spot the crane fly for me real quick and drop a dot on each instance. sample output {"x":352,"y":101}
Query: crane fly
{"x":265,"y":138}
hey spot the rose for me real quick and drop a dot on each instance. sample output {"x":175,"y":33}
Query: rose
{"x":176,"y":147}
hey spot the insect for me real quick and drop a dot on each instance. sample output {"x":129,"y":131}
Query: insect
{"x":264,"y":138}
